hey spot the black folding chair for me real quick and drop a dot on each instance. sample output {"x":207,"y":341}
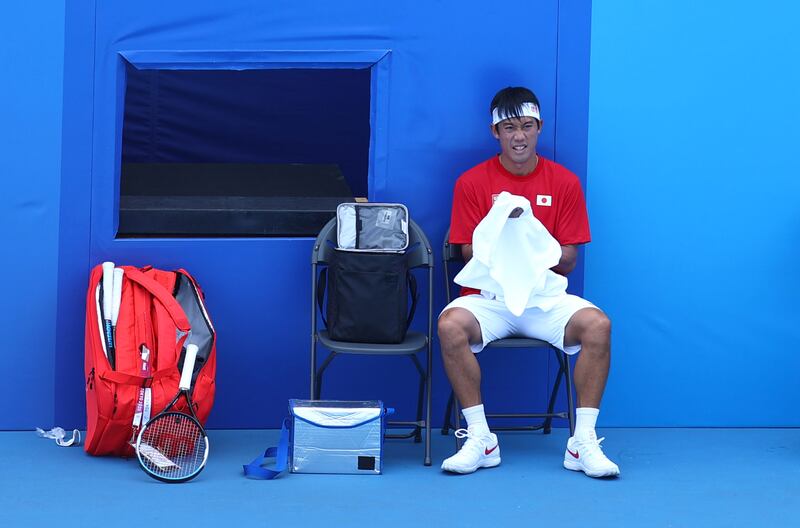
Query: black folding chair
{"x":451,"y":256}
{"x":420,"y":256}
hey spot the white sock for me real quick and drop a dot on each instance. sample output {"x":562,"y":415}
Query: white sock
{"x":585,"y":420}
{"x":476,"y":420}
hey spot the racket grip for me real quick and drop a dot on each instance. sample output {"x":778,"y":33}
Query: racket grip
{"x":108,"y":287}
{"x":188,"y":367}
{"x":116,"y":295}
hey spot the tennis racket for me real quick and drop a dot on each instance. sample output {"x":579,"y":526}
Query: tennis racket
{"x":173,"y":446}
{"x":108,"y":292}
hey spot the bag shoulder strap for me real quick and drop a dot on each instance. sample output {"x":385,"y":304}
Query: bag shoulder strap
{"x":322,"y":284}
{"x":164,"y":297}
{"x":412,"y":286}
{"x":256,"y":469}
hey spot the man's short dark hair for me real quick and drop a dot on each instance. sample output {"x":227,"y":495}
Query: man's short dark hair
{"x":509,"y":101}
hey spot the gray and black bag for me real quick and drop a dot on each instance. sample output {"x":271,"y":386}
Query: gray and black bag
{"x":367,"y":278}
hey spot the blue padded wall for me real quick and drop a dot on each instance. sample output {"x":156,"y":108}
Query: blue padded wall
{"x":693,"y":191}
{"x":439,"y":70}
{"x":30,"y":141}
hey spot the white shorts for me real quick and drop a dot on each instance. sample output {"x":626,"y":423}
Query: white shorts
{"x":497,"y":322}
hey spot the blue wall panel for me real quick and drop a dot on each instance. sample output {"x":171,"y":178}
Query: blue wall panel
{"x":692,"y":191}
{"x":695,"y":201}
{"x":442,"y":68}
{"x":434,"y":107}
{"x":30,"y":139}
{"x":75,"y":206}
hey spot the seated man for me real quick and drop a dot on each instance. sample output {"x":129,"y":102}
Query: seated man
{"x":573,"y":324}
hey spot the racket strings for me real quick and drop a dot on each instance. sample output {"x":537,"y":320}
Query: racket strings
{"x":174,"y":446}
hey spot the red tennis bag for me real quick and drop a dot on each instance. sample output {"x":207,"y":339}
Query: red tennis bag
{"x":135,"y":344}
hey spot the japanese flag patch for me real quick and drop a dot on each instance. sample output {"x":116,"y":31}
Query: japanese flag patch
{"x":544,"y":199}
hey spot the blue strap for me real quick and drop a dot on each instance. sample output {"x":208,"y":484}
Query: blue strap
{"x":256,"y":469}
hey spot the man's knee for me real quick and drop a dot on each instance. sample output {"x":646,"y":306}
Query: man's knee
{"x":453,"y":330}
{"x":597,"y":329}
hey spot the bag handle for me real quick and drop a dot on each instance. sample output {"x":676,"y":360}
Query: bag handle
{"x":256,"y":469}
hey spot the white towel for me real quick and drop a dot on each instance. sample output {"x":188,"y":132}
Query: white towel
{"x":512,"y":257}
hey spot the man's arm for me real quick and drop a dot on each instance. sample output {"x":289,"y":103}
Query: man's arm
{"x":569,"y":257}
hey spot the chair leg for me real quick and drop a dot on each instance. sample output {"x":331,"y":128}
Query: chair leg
{"x":551,"y":404}
{"x":428,"y":387}
{"x":420,"y":399}
{"x":457,"y":415}
{"x":570,"y":402}
{"x":318,"y":386}
{"x":320,"y":372}
{"x":448,"y":413}
{"x":420,"y":404}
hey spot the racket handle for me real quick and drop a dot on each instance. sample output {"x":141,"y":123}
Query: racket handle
{"x":116,"y":295}
{"x":108,"y":288}
{"x":188,"y":367}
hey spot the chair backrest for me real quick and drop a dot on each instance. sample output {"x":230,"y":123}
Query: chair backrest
{"x":419,"y":248}
{"x":451,"y":254}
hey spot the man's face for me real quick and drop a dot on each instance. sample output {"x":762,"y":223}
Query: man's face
{"x":517,"y":137}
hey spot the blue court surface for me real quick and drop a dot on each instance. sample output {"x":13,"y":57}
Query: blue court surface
{"x":670,"y":477}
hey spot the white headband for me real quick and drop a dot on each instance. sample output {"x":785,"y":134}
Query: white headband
{"x":525,"y":110}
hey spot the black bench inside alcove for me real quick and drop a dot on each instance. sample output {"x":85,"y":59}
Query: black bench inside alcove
{"x":229,"y":199}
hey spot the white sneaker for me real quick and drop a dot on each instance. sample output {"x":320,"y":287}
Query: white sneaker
{"x":477,"y":452}
{"x":586,"y":455}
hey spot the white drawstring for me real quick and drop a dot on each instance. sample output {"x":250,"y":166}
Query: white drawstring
{"x":58,"y":434}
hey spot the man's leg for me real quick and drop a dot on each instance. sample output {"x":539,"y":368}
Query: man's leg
{"x":590,"y":328}
{"x":458,"y":327}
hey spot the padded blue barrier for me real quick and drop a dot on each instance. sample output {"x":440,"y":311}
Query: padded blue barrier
{"x":433,"y":69}
{"x":32,"y":55}
{"x":693,"y":196}
{"x":431,"y":83}
{"x":692,"y":187}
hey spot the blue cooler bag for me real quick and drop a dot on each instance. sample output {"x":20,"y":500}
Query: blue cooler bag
{"x":327,"y":436}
